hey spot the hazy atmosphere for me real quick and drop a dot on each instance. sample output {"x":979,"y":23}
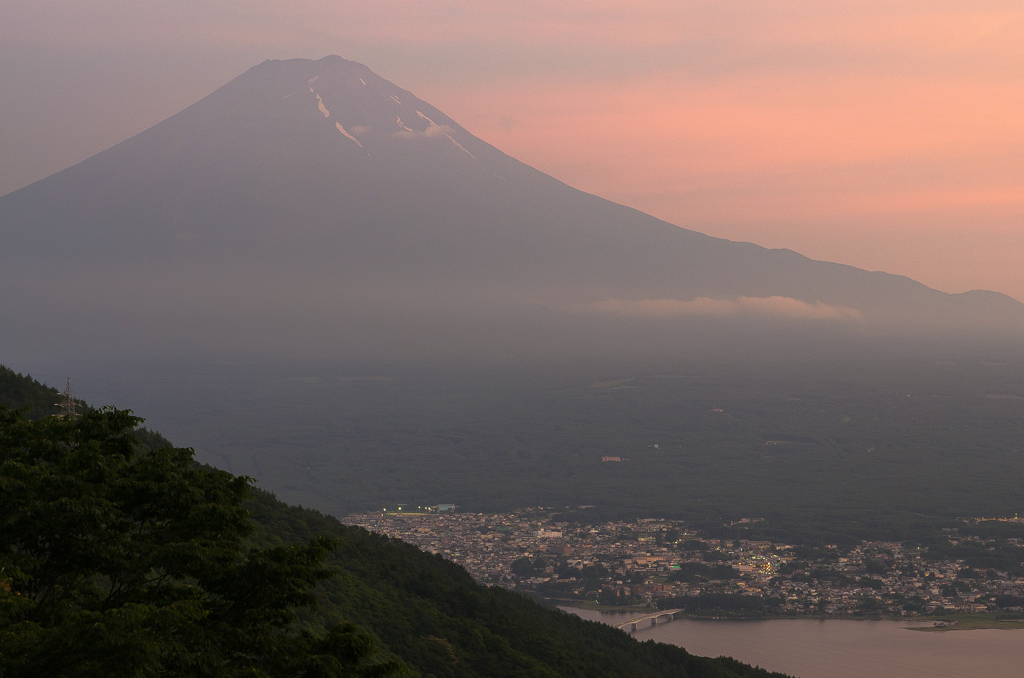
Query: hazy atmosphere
{"x":885,"y":135}
{"x":509,"y":333}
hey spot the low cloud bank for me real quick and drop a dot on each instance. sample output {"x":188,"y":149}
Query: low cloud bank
{"x":433,"y":130}
{"x":779,"y":307}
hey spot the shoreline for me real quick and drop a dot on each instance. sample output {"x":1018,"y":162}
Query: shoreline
{"x":927,"y":624}
{"x":973,"y":625}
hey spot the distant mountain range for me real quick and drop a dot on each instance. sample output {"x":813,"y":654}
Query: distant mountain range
{"x":304,"y":197}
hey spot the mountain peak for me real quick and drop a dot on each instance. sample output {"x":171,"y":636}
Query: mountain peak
{"x":310,"y":187}
{"x":356,"y":109}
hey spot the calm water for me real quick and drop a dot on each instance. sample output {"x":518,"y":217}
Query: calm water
{"x":842,"y":649}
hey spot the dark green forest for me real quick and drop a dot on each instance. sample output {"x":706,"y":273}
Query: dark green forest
{"x":121,"y":556}
{"x":24,"y":392}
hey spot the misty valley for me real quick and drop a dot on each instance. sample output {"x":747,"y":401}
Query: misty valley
{"x":826,"y":453}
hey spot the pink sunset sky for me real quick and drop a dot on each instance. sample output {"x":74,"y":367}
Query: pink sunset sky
{"x":886,"y":135}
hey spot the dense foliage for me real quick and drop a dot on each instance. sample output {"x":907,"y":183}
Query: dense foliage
{"x":24,"y":392}
{"x":691,"y":572}
{"x":121,"y":557}
{"x":429,"y":612}
{"x":115,"y":561}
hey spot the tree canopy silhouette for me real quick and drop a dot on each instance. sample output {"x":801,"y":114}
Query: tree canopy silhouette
{"x":119,"y":560}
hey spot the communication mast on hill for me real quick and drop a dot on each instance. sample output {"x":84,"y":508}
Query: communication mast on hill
{"x":67,"y":404}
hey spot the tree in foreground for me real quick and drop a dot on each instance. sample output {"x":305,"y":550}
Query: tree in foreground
{"x":120,"y":561}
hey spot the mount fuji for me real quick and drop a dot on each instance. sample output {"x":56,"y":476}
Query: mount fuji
{"x":315,"y":203}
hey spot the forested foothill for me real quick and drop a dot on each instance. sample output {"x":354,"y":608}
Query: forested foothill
{"x":120,"y":556}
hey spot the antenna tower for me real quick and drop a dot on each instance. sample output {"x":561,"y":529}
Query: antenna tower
{"x":67,"y":404}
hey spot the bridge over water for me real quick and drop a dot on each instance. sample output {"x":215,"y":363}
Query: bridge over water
{"x":659,"y":617}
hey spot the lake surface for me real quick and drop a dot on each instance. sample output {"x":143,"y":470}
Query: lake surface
{"x":834,"y":648}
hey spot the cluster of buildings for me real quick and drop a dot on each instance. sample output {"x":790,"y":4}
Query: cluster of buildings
{"x":644,"y":562}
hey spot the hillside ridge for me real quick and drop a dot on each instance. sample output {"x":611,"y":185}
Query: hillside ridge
{"x":428,"y":611}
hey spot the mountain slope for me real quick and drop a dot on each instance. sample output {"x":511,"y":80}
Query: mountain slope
{"x":430,"y":613}
{"x":22,"y":391}
{"x":305,"y":185}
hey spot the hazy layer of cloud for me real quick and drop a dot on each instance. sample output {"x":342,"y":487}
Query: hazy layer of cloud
{"x":432,"y":130}
{"x":881,"y":134}
{"x":776,"y":307}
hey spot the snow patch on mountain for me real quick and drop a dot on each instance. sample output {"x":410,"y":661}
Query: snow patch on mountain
{"x":320,"y":104}
{"x":397,"y":100}
{"x":433,"y":130}
{"x":342,"y":130}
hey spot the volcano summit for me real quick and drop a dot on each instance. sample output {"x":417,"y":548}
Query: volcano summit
{"x":315,"y":204}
